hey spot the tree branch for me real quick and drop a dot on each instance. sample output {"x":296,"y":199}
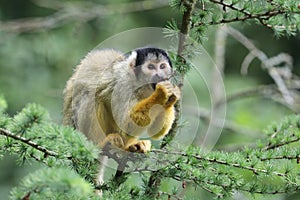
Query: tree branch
{"x":221,"y":162}
{"x":281,"y":144}
{"x":261,"y":17}
{"x":47,"y":152}
{"x":183,"y":34}
{"x":154,"y":180}
{"x":69,"y":11}
{"x":267,"y":63}
{"x":265,"y":91}
{"x":297,"y":158}
{"x":185,"y":27}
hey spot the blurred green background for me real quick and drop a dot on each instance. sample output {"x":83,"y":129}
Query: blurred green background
{"x":35,"y":65}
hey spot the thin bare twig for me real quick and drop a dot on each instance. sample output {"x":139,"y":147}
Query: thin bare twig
{"x":265,"y":91}
{"x":217,"y":83}
{"x":69,"y":12}
{"x":267,"y":63}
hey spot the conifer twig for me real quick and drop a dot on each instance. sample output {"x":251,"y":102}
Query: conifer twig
{"x":269,"y":147}
{"x":47,"y":152}
{"x":221,"y":162}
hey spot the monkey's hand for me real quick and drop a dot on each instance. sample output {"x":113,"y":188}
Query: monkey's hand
{"x":166,"y":94}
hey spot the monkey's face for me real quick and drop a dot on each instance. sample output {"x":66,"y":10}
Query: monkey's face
{"x":153,"y":72}
{"x":155,"y":68}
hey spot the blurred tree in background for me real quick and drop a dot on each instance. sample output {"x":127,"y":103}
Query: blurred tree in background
{"x":257,"y":53}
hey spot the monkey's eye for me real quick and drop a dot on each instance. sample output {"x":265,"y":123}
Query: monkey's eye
{"x":151,"y":66}
{"x":163,"y":66}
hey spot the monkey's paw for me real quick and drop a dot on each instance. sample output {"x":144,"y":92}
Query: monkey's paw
{"x":168,"y":93}
{"x":142,"y":146}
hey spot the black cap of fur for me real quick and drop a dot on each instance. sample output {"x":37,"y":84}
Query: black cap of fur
{"x":143,"y":52}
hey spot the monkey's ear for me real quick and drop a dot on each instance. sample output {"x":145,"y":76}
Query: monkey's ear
{"x":132,"y":59}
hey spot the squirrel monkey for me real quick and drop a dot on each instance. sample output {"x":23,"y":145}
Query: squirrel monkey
{"x":114,"y":97}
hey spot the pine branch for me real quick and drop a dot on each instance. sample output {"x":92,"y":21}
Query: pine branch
{"x":71,"y":148}
{"x":269,"y":147}
{"x":30,"y":143}
{"x":53,"y":183}
{"x":225,"y":187}
{"x":297,"y":158}
{"x":230,"y":6}
{"x":206,"y":184}
{"x":261,"y":17}
{"x":221,"y":162}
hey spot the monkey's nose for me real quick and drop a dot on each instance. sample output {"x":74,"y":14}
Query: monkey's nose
{"x":156,"y":78}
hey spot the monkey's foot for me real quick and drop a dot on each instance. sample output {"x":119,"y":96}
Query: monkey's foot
{"x":168,"y":93}
{"x":141,"y":146}
{"x":113,"y":139}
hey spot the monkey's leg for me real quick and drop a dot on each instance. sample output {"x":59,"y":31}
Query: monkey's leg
{"x":114,"y":139}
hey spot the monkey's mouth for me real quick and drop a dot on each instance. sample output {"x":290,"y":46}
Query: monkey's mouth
{"x":156,"y":79}
{"x":153,"y":85}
